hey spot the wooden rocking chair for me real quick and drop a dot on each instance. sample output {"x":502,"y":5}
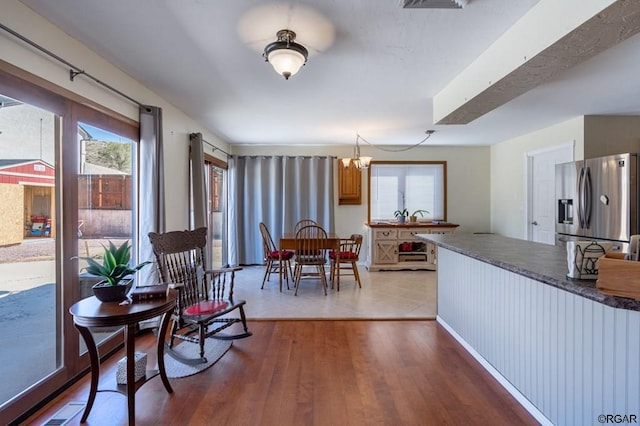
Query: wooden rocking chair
{"x":205,"y":296}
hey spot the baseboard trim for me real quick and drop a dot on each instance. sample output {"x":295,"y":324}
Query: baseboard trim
{"x":526,"y":404}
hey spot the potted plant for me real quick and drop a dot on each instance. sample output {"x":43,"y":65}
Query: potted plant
{"x":401,"y":215}
{"x":414,"y":217}
{"x":114,"y":270}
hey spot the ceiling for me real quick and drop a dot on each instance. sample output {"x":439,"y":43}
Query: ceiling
{"x":374,"y":67}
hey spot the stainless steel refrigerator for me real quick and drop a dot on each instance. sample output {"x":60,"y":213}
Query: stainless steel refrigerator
{"x":597,"y":199}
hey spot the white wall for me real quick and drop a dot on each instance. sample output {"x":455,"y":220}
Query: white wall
{"x":508,"y":196}
{"x":176,"y":127}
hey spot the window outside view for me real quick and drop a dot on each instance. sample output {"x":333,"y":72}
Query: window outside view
{"x":29,"y":193}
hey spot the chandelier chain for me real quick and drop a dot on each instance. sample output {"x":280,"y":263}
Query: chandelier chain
{"x":429,"y":133}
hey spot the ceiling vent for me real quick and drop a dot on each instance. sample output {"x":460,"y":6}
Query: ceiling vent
{"x":434,"y":4}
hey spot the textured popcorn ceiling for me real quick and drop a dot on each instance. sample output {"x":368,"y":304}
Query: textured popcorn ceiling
{"x":375,"y":68}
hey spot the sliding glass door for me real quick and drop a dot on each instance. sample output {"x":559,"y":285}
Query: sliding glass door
{"x":106,"y":161}
{"x":68,"y":184}
{"x":216,"y":192}
{"x":30,"y":291}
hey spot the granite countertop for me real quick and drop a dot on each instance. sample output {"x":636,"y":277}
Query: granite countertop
{"x":540,"y":262}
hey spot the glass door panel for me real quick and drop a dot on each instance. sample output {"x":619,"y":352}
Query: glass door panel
{"x":105,"y":200}
{"x":29,"y":291}
{"x":217,"y":212}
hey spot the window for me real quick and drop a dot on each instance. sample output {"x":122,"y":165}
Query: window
{"x":418,"y":185}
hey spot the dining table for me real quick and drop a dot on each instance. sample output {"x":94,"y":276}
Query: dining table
{"x":288,"y":242}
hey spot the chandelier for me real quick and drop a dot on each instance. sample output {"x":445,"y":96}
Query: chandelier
{"x":285,"y":55}
{"x":358,"y":161}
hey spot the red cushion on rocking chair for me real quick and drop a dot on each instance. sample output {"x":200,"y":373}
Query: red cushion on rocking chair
{"x":206,"y":307}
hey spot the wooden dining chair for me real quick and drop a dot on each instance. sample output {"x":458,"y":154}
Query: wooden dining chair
{"x":302,"y":223}
{"x":349,"y":254}
{"x":205,"y":297}
{"x":311,"y":251}
{"x":274,"y":257}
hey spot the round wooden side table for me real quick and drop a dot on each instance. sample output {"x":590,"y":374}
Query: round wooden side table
{"x":90,"y":312}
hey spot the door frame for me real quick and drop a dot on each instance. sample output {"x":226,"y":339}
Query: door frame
{"x":68,"y":109}
{"x":528,"y":181}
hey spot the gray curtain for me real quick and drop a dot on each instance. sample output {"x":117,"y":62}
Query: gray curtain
{"x":198,"y":183}
{"x":278,"y":191}
{"x":151,"y":213}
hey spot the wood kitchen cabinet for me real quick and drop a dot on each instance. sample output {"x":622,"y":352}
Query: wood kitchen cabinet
{"x":349,"y":184}
{"x":396,"y":247}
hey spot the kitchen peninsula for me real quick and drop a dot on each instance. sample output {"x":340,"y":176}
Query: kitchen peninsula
{"x":567,"y":352}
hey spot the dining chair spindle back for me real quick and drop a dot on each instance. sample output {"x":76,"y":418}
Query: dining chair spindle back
{"x":274,"y":258}
{"x":311,"y":251}
{"x":349,"y":254}
{"x":302,"y":223}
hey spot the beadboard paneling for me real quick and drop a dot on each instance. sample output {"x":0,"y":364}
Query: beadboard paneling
{"x":572,"y":358}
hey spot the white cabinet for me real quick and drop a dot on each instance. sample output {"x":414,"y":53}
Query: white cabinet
{"x":385,"y":249}
{"x":396,"y":247}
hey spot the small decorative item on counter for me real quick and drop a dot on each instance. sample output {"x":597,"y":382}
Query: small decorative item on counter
{"x":401,"y":215}
{"x":582,"y":257}
{"x":414,"y":215}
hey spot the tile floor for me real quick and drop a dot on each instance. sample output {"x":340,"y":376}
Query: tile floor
{"x":384,"y":295}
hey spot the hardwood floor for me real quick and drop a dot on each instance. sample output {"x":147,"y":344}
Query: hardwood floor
{"x":316,"y":373}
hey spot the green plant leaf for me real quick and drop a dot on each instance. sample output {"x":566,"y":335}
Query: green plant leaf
{"x":122,"y":253}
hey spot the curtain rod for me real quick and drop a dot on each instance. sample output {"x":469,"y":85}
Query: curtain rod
{"x":215,"y":148}
{"x":74,"y":71}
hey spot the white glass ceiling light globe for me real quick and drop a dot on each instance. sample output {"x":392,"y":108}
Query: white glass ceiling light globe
{"x":285,"y":55}
{"x":286,"y":62}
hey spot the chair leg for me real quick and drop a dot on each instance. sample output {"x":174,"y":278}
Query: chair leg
{"x":243,"y":318}
{"x":296,"y":278}
{"x":266,"y":274}
{"x":323,"y":278}
{"x":287,"y":272}
{"x":332,"y":272}
{"x":201,"y":342}
{"x":354,"y":265}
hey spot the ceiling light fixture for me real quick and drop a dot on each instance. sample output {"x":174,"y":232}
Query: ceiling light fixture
{"x":363,"y":162}
{"x":285,"y":55}
{"x":358,"y":161}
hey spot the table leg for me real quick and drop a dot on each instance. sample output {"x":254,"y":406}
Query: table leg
{"x":164,"y":324}
{"x":337,"y":275}
{"x":280,"y":270}
{"x":95,"y":368}
{"x":129,"y":332}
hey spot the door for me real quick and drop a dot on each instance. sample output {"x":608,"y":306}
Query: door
{"x":542,"y":211}
{"x":216,"y":194}
{"x":38,"y":279}
{"x":609,"y":179}
{"x":30,"y":288}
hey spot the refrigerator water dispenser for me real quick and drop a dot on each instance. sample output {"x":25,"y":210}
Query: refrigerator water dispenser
{"x":565,"y":211}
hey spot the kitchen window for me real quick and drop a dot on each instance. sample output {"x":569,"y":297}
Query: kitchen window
{"x":414,"y":185}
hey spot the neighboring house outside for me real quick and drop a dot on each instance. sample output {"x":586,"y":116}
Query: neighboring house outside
{"x":27,"y":197}
{"x":27,"y":200}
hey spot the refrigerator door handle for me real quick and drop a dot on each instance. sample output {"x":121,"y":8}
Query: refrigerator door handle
{"x":581,"y":198}
{"x":588,"y":198}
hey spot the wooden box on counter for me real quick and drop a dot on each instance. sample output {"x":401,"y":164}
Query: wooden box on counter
{"x":618,"y":277}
